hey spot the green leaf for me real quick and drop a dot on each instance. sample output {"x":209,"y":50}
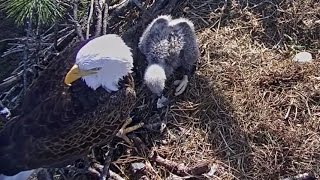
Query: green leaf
{"x":40,"y":11}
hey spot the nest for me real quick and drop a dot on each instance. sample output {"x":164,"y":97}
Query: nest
{"x":249,"y":109}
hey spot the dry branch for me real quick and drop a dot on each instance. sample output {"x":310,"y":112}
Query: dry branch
{"x":26,"y":55}
{"x":89,"y":19}
{"x":115,"y":176}
{"x":36,"y":56}
{"x":75,"y":20}
{"x":178,"y":169}
{"x":105,"y":18}
{"x":120,"y":5}
{"x":117,"y":10}
{"x":181,"y":169}
{"x":12,"y":81}
{"x":304,"y":176}
{"x":98,"y":9}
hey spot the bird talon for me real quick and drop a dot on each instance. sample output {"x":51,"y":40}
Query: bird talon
{"x":122,"y":133}
{"x":182,"y":86}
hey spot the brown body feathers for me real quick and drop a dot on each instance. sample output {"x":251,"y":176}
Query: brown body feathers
{"x":59,"y":124}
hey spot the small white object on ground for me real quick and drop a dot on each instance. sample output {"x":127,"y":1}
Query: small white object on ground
{"x":213,"y":170}
{"x":161,"y":101}
{"x":303,"y":57}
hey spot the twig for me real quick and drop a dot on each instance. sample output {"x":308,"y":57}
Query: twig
{"x":65,"y":4}
{"x":115,"y":176}
{"x":16,"y":100}
{"x":75,"y":20}
{"x":25,"y":56}
{"x":62,"y":31}
{"x":304,"y":176}
{"x":119,"y":5}
{"x":10,"y":82}
{"x":89,"y":19}
{"x":12,"y":39}
{"x":150,"y":170}
{"x":61,"y":39}
{"x":99,"y":18}
{"x":116,"y":10}
{"x":105,"y":18}
{"x":11,"y":52}
{"x":181,"y":169}
{"x":174,"y":167}
{"x":55,"y":44}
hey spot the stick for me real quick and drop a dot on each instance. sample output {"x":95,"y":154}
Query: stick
{"x":181,"y":169}
{"x":25,"y":56}
{"x":115,"y":176}
{"x":89,"y":19}
{"x":120,"y":5}
{"x":105,"y":18}
{"x":304,"y":176}
{"x":75,"y":18}
{"x":116,"y":10}
{"x":99,"y":18}
{"x":12,"y":81}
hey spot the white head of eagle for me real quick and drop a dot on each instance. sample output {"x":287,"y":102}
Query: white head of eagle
{"x":103,"y":61}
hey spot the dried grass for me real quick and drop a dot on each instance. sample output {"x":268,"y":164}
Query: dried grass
{"x":248,"y":108}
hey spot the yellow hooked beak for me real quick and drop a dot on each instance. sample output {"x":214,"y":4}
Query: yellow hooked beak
{"x":75,"y":73}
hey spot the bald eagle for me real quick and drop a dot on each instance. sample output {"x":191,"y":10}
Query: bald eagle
{"x":58,"y":122}
{"x":167,"y":45}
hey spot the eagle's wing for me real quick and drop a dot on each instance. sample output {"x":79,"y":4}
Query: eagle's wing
{"x":59,"y":124}
{"x":155,"y":32}
{"x":190,"y":51}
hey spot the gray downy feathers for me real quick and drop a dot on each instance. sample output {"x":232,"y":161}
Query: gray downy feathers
{"x":168,"y":43}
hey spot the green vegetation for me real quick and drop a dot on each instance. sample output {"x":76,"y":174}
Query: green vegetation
{"x":39,"y":11}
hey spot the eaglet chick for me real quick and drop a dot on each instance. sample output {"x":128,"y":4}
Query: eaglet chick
{"x":167,"y":45}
